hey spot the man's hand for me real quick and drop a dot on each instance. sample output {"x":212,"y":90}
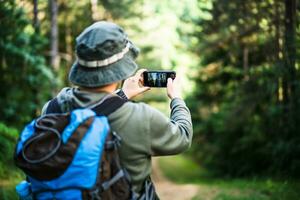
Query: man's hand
{"x":173,"y":88}
{"x":134,"y":85}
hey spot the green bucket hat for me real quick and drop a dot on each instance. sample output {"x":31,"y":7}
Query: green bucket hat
{"x":104,"y":55}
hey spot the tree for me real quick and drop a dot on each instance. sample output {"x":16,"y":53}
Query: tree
{"x":35,"y":15}
{"x":54,"y":34}
{"x":244,"y":121}
{"x":25,"y":79}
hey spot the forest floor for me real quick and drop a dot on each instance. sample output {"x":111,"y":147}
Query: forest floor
{"x":168,"y":190}
{"x":179,"y":178}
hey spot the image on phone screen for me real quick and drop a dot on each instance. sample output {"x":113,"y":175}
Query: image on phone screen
{"x":158,"y":78}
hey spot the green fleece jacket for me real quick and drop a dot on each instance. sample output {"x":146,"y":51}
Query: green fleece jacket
{"x":144,"y":130}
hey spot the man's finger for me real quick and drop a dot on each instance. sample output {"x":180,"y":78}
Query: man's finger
{"x":140,"y":72}
{"x":170,"y":81}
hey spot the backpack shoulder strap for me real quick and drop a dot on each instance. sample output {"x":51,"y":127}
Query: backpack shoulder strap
{"x":53,"y":106}
{"x":108,"y":105}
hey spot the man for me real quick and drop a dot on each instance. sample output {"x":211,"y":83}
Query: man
{"x":105,"y":57}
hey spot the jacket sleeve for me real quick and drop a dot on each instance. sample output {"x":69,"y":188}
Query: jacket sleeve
{"x":172,"y":135}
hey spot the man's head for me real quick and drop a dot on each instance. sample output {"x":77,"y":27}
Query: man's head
{"x":105,"y":55}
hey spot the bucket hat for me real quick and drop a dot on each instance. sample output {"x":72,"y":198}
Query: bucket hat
{"x":104,"y":55}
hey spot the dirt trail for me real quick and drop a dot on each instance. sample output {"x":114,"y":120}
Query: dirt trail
{"x":168,"y":190}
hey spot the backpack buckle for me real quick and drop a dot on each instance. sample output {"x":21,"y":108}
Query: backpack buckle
{"x":114,"y":143}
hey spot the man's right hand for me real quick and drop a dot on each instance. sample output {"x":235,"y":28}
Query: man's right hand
{"x":133,"y":86}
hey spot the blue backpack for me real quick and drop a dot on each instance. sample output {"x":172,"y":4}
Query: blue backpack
{"x":74,"y":155}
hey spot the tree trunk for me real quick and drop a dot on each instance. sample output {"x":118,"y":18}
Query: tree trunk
{"x":246,"y":62}
{"x":94,"y":10}
{"x":246,"y":59}
{"x":290,"y":47}
{"x":290,"y":33}
{"x":54,"y":34}
{"x":35,"y":16}
{"x":278,"y":52}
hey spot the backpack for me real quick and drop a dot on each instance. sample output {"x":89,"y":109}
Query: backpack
{"x":74,"y":155}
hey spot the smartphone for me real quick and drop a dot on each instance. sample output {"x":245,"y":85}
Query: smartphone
{"x":158,"y":78}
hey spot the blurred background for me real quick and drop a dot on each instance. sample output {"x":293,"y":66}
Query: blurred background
{"x":239,"y":63}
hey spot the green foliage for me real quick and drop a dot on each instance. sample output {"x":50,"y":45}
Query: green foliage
{"x":246,"y":106}
{"x":25,"y":79}
{"x":8,"y":139}
{"x":9,"y":174}
{"x":183,"y":170}
{"x":8,"y":192}
{"x":243,"y":133}
{"x":125,"y":9}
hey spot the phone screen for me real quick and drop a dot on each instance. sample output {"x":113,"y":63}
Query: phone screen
{"x":158,"y":78}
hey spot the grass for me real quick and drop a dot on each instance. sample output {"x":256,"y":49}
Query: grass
{"x":182,"y":170}
{"x":7,"y":189}
{"x":10,"y":176}
{"x":9,"y":182}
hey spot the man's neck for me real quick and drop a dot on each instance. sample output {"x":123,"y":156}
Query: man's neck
{"x":104,"y":89}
